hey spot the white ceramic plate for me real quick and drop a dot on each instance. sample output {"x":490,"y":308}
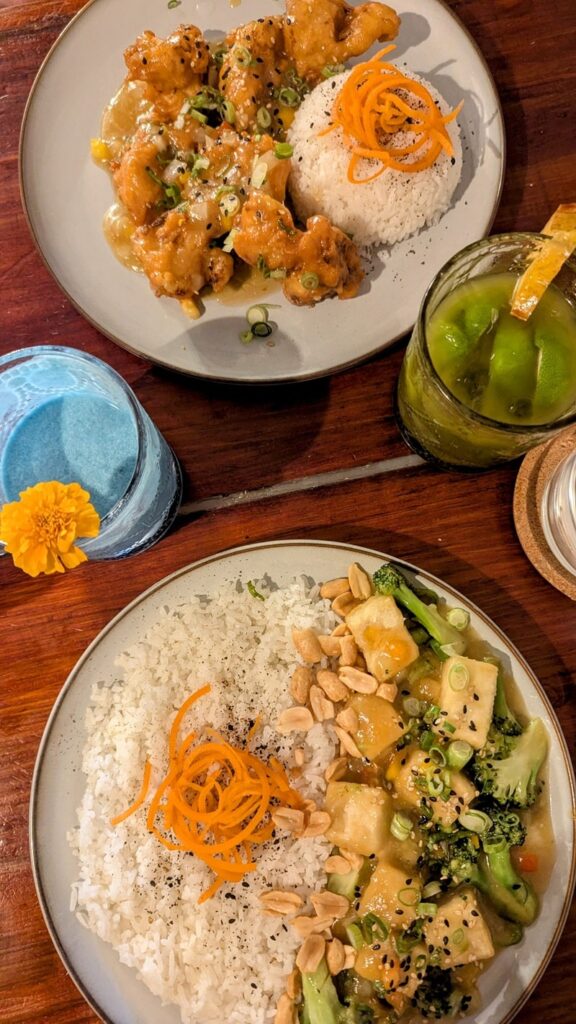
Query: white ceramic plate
{"x":113,"y":990}
{"x":66,"y":195}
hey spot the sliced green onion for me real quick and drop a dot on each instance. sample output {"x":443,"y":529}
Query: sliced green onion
{"x":448,"y":727}
{"x":259,"y":174}
{"x":199,"y":164}
{"x":242,"y":56}
{"x":431,"y":889}
{"x":401,"y":826}
{"x":255,"y":593}
{"x":332,"y":69}
{"x":229,"y":111}
{"x":412,"y":707}
{"x":435,"y":785}
{"x":229,"y":204}
{"x":279,"y":274}
{"x":263,"y":118}
{"x":438,"y":755}
{"x":475,"y":821}
{"x":458,"y":617}
{"x":355,"y":936}
{"x":374,"y":927}
{"x":431,"y":714}
{"x":262,"y":330}
{"x":420,"y":963}
{"x":409,"y":897}
{"x":427,"y":909}
{"x":458,"y":677}
{"x":459,"y":753}
{"x":173,"y":3}
{"x":427,"y":740}
{"x":257,"y":315}
{"x":246,"y":337}
{"x":309,"y":281}
{"x":283,"y":150}
{"x":198,"y":116}
{"x":218,"y":55}
{"x":228,"y":244}
{"x":458,"y":938}
{"x":288,"y":97}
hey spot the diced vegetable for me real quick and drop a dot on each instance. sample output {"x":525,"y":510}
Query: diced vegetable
{"x":378,"y":628}
{"x":360,"y":815}
{"x":393,"y":895}
{"x":379,"y":724}
{"x":459,"y":932}
{"x":421,"y":780}
{"x":467,"y":696}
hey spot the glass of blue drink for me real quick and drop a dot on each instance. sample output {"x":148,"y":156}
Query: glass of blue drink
{"x":67,"y":416}
{"x":479,"y":387}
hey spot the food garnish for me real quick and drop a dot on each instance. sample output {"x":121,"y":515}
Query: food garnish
{"x":547,"y":262}
{"x":215,"y":800}
{"x":375,"y":103}
{"x":40,"y":530}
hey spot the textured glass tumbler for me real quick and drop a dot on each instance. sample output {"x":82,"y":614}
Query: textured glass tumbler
{"x":67,"y":416}
{"x":558,"y":513}
{"x":432,"y":421}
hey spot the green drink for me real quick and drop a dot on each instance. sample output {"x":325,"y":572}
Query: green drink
{"x":478,"y":386}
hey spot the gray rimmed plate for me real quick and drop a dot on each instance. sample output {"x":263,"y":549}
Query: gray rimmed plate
{"x":113,"y":990}
{"x":65,"y":197}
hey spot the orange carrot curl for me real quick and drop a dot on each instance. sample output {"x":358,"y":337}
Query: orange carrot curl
{"x":378,"y":100}
{"x":214,"y":801}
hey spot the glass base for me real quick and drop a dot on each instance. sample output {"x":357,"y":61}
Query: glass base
{"x":168,"y":518}
{"x":411,"y":442}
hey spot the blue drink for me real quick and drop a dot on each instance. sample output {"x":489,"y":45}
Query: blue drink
{"x":69,"y":417}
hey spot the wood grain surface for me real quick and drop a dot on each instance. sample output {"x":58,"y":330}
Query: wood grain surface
{"x":232,"y":439}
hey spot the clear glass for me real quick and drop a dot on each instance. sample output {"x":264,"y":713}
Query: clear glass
{"x":432,"y":421}
{"x":115,"y":451}
{"x":558,"y":513}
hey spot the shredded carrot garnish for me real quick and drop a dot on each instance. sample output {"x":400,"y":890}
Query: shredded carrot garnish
{"x":139,"y":799}
{"x":375,"y":103}
{"x":215,"y":800}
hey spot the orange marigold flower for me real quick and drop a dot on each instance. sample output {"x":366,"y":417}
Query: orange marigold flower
{"x":40,"y":530}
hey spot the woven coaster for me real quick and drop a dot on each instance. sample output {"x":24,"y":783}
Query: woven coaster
{"x":533,"y":476}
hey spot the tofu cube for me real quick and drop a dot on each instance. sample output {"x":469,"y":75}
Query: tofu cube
{"x":467,"y":693}
{"x":410,"y":787}
{"x":392,"y":895}
{"x":378,"y":628}
{"x":459,"y":932}
{"x":360,"y":817}
{"x":379,"y":724}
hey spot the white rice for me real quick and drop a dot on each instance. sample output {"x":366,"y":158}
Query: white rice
{"x":224,"y":960}
{"x":378,"y":213}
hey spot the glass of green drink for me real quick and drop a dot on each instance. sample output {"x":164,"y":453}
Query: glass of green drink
{"x":479,"y":387}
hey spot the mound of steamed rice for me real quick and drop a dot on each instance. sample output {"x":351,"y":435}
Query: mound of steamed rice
{"x":222,"y":961}
{"x":377,"y":213}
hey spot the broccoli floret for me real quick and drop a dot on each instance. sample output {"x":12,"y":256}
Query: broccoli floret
{"x":506,"y":826}
{"x":449,"y":851}
{"x":503,"y":718}
{"x":321,"y":1003}
{"x":389,"y":581}
{"x":437,"y":996}
{"x":456,"y":856}
{"x":510,"y":894}
{"x":509,"y":773}
{"x":493,"y":873}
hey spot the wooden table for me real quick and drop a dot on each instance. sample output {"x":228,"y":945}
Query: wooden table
{"x":269,"y":446}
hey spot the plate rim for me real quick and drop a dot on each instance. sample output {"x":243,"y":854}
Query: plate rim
{"x":216,"y":377}
{"x":231,"y":553}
